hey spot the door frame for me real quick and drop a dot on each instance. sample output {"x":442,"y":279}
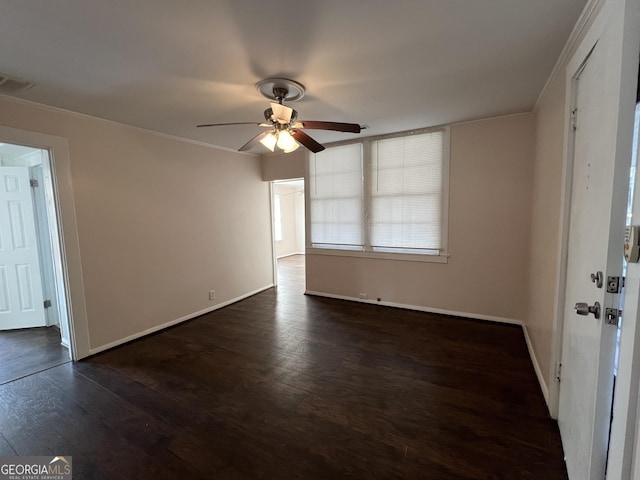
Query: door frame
{"x":49,"y":269}
{"x":60,"y":164}
{"x":623,"y":12}
{"x":272,"y":196}
{"x":274,"y":255}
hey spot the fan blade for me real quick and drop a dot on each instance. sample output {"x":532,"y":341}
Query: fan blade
{"x":253,"y":142}
{"x":281,"y":113}
{"x":233,"y":123}
{"x":306,"y":140}
{"x":336,"y":126}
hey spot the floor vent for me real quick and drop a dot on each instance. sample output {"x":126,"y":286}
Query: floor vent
{"x":9,"y":85}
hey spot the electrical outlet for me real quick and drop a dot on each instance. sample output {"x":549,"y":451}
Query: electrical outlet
{"x":363,"y":296}
{"x":212,"y":294}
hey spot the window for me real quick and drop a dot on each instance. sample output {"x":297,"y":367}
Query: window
{"x":336,"y":197}
{"x":406,"y":193}
{"x":382,"y":195}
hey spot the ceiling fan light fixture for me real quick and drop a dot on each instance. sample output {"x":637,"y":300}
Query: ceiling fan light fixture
{"x":269,"y":141}
{"x":286,"y":142}
{"x":293,"y":148}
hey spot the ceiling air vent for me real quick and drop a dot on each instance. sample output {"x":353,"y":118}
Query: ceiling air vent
{"x":10,"y":85}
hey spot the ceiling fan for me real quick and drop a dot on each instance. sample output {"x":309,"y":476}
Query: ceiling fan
{"x":284,"y":129}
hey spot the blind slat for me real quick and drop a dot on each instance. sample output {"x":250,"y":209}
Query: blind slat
{"x":406,"y":192}
{"x":404,"y":203}
{"x":336,"y":196}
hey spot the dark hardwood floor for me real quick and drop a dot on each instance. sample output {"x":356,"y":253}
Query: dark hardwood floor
{"x":283,"y":386}
{"x":30,"y":350}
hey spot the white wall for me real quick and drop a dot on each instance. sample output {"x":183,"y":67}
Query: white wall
{"x":544,"y":261}
{"x":283,"y":166}
{"x":300,"y":221}
{"x":545,"y":225}
{"x":292,"y":219}
{"x":489,"y":226}
{"x":160,"y":221}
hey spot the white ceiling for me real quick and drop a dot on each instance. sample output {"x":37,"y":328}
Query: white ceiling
{"x":168,"y":65}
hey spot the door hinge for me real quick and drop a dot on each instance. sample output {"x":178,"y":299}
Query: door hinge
{"x":612,"y":316}
{"x":47,"y":304}
{"x":615,"y":284}
{"x":33,"y":182}
{"x":574,"y":119}
{"x":558,"y":371}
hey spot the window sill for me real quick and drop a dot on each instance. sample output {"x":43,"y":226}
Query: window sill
{"x":402,"y":257}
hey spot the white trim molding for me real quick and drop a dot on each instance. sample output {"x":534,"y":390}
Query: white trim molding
{"x":289,"y":255}
{"x":418,"y":308}
{"x":60,"y":161}
{"x":50,"y":108}
{"x":177,"y":321}
{"x":576,"y":33}
{"x":536,"y":365}
{"x":472,"y":316}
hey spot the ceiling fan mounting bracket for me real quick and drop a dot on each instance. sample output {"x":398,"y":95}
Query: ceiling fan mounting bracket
{"x":281,"y":89}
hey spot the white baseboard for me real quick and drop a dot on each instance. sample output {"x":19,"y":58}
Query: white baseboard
{"x":490,"y":318}
{"x":536,"y":366}
{"x":418,"y":308}
{"x":63,"y":341}
{"x":289,"y":255}
{"x":157,"y":328}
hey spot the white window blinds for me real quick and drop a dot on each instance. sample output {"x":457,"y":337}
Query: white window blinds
{"x":335,"y":176}
{"x":407,"y":193}
{"x":382,"y":196}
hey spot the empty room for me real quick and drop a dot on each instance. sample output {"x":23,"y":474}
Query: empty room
{"x":315,"y":240}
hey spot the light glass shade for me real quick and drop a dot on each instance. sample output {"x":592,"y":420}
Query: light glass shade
{"x":286,"y":142}
{"x":269,"y":141}
{"x":295,"y":147}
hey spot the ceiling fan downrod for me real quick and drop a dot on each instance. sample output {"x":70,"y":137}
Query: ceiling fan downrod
{"x":280,"y":94}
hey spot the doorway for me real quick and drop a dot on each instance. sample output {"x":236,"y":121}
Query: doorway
{"x":34,"y":327}
{"x":289,"y":233}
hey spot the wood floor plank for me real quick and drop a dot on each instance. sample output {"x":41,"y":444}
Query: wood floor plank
{"x":5,"y":447}
{"x":283,"y":385}
{"x":28,"y":351}
{"x":114,"y":413}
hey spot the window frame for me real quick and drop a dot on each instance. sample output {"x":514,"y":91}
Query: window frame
{"x":366,"y":251}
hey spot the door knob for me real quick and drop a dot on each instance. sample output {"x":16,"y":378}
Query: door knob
{"x":584,"y":309}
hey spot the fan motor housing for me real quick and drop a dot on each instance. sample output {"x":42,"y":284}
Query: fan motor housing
{"x":268,"y":116}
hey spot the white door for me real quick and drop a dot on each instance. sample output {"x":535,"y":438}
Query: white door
{"x":21,"y":302}
{"x":596,"y":221}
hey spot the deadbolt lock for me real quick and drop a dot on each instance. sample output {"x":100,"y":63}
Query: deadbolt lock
{"x":597,"y":278}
